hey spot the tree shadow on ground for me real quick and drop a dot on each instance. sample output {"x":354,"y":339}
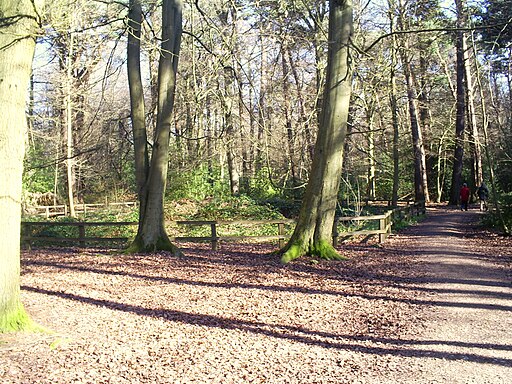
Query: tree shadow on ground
{"x":295,"y":289}
{"x":298,"y":334}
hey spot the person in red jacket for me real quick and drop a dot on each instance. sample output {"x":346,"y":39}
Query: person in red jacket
{"x":464,"y":197}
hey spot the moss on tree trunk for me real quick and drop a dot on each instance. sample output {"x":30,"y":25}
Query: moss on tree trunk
{"x":16,"y":319}
{"x":321,"y":249}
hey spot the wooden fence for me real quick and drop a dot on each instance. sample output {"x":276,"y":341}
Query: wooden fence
{"x":29,"y":236}
{"x":385,"y":223}
{"x":63,"y":210}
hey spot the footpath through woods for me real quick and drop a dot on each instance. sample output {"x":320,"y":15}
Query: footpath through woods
{"x":433,"y":304}
{"x":467,"y":275}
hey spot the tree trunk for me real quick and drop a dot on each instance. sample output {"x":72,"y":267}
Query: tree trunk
{"x":151,"y":235}
{"x":229,"y":100}
{"x":477,"y":173}
{"x":231,"y":145}
{"x":290,"y":133}
{"x":420,"y":192}
{"x":370,"y":187}
{"x":420,"y":168}
{"x":313,"y":233}
{"x":68,"y":113}
{"x":460,"y":112}
{"x":136,"y":88}
{"x":262,"y":102}
{"x":17,"y":44}
{"x":394,"y":114}
{"x":441,"y":167}
{"x":487,"y":152}
{"x":307,"y":155}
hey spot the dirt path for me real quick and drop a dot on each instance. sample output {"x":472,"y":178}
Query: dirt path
{"x":468,"y":334}
{"x":432,"y":305}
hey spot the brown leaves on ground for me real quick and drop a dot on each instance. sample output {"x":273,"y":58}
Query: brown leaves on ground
{"x":232,"y":316}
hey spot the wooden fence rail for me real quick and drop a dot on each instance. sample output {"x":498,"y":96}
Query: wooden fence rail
{"x":63,"y":210}
{"x":29,"y":236}
{"x":385,"y":223}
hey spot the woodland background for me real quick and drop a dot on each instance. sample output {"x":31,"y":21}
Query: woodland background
{"x":248,"y":99}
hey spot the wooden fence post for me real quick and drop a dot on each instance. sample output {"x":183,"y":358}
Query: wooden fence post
{"x":27,"y":234}
{"x":280,"y":232}
{"x":214,"y":236}
{"x":335,"y":233}
{"x":81,"y":234}
{"x":382,"y":228}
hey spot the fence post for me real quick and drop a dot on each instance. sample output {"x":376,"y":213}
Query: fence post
{"x":382,"y":227}
{"x":26,"y":229}
{"x":335,"y":233}
{"x":214,"y":236}
{"x":81,"y":234}
{"x":280,"y":232}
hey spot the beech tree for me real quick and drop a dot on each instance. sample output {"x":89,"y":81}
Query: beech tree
{"x":313,"y":232}
{"x":19,"y":20}
{"x":151,"y":171}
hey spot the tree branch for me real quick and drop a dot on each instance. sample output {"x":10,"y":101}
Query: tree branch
{"x":395,"y":33}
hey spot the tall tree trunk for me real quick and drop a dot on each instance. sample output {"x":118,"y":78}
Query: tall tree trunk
{"x":262,"y":101}
{"x":370,"y":188}
{"x":394,"y":113}
{"x":420,"y":167}
{"x":230,"y":100}
{"x":441,"y":167}
{"x":231,"y":144}
{"x":313,"y":232}
{"x":18,"y":27}
{"x":476,"y":151}
{"x":68,"y":113}
{"x":420,"y":174}
{"x":488,"y":156}
{"x":304,"y":120}
{"x":136,"y":88}
{"x":458,"y":156}
{"x":151,"y":234}
{"x":290,"y":134}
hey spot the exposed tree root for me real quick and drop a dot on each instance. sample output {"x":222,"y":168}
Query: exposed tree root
{"x":321,"y":249}
{"x":161,"y":244}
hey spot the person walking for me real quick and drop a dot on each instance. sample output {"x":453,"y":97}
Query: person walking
{"x":464,"y":197}
{"x":483,"y":195}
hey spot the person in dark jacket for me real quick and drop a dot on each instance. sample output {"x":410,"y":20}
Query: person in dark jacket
{"x":464,"y":197}
{"x":483,"y":195}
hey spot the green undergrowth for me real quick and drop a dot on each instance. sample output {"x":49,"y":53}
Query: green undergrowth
{"x":240,"y":208}
{"x":121,"y":231}
{"x":219,"y":208}
{"x":399,"y":224}
{"x":502,"y":223}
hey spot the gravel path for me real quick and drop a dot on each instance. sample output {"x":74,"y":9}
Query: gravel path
{"x":432,"y":305}
{"x":468,"y":336}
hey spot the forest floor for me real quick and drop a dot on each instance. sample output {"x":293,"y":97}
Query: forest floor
{"x":433,"y":304}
